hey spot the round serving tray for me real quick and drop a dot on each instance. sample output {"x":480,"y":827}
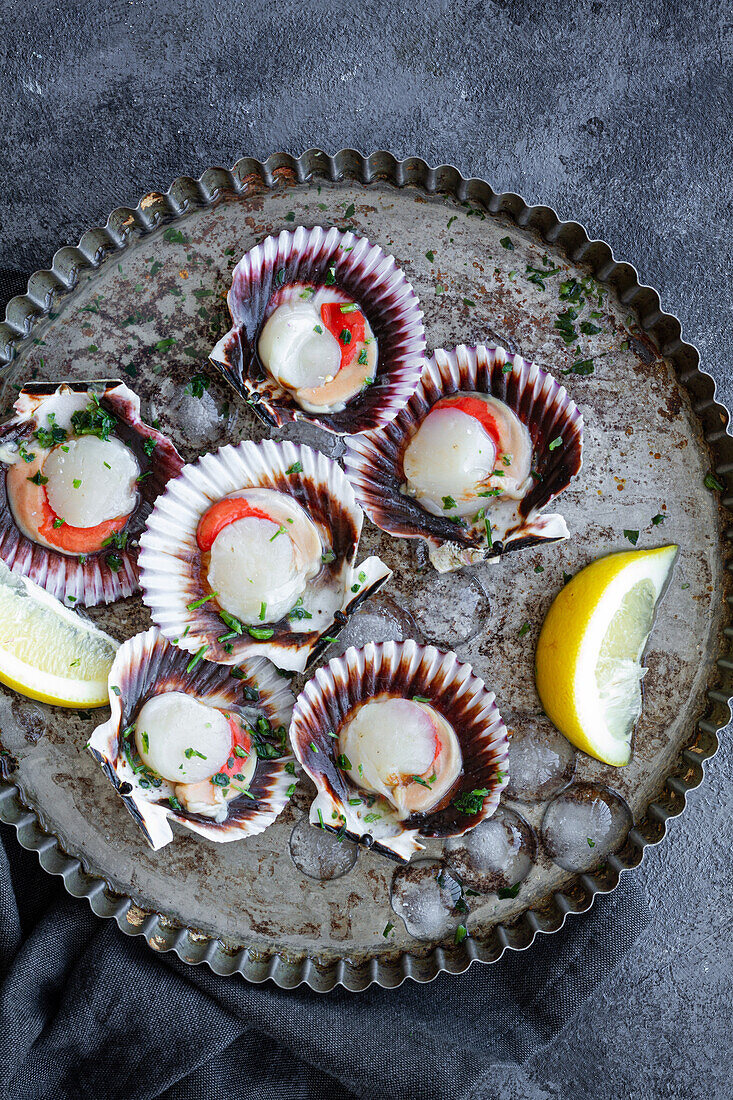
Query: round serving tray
{"x":143,"y":299}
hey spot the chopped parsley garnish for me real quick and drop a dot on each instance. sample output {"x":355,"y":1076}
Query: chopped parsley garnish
{"x":116,"y":690}
{"x":363,"y":358}
{"x":422,"y":782}
{"x":507,"y":368}
{"x":508,"y":891}
{"x":149,"y":446}
{"x":174,"y":803}
{"x":38,"y":478}
{"x":555,"y":443}
{"x":188,"y":753}
{"x":220,"y":780}
{"x":58,"y":522}
{"x":589,"y":328}
{"x":539,"y":274}
{"x":539,"y":568}
{"x":197,"y":385}
{"x":296,"y":468}
{"x":524,"y":628}
{"x":506,"y":242}
{"x":314,"y":746}
{"x":632,"y":536}
{"x":118,"y":539}
{"x":330,"y":275}
{"x":430,"y":255}
{"x":449,"y":502}
{"x":420,"y":699}
{"x":345,"y":336}
{"x":710,"y":482}
{"x":25,"y":455}
{"x":291,"y":790}
{"x":564,"y":325}
{"x":114,"y":561}
{"x":343,"y":762}
{"x":591,"y":842}
{"x":48,"y":437}
{"x":659,"y":518}
{"x":94,"y":420}
{"x":76,"y":483}
{"x":461,"y":933}
{"x":387,"y":929}
{"x":471,"y":802}
{"x":581,"y":366}
{"x":350,"y":210}
{"x":263,"y":611}
{"x":290,"y":768}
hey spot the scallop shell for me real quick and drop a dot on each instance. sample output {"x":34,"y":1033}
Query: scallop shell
{"x":405,"y":669}
{"x":373,"y":461}
{"x":370,"y":277}
{"x":147,"y":665}
{"x":104,"y":576}
{"x":170,"y":558}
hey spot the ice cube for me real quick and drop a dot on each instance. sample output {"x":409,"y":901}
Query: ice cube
{"x":379,"y":620}
{"x":583,"y":824}
{"x":495,"y":855}
{"x":424,"y":895}
{"x":541,"y":760}
{"x":449,"y":608}
{"x":318,"y":854}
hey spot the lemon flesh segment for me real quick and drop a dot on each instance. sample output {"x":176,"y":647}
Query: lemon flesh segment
{"x":589,"y":654}
{"x":47,"y":651}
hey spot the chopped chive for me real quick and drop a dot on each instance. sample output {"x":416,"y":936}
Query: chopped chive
{"x":387,"y":929}
{"x":555,"y":443}
{"x":421,"y":699}
{"x":343,"y":762}
{"x":313,"y":746}
{"x":261,"y":633}
{"x":198,"y":656}
{"x":200,"y":603}
{"x":263,"y":610}
{"x":710,"y":482}
{"x":296,"y":468}
{"x":461,"y":933}
{"x":524,"y":628}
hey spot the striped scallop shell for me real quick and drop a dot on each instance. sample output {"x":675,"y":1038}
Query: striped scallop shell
{"x":404,"y":669}
{"x":373,"y":461}
{"x":105,"y":576}
{"x":147,"y":665}
{"x":363,"y":271}
{"x":170,"y":560}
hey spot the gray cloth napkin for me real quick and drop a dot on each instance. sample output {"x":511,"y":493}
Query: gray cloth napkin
{"x":86,"y":1012}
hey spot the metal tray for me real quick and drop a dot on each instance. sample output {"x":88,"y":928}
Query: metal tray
{"x":653,"y":432}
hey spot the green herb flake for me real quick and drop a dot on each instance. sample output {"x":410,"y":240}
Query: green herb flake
{"x":555,"y":443}
{"x":261,"y":633}
{"x":461,"y":933}
{"x":524,"y":629}
{"x":198,"y":656}
{"x":343,"y":762}
{"x":471,"y":802}
{"x":710,"y":482}
{"x":506,"y":242}
{"x":387,"y":929}
{"x":659,"y":518}
{"x":296,"y":468}
{"x":194,"y":604}
{"x":38,"y":478}
{"x":508,"y":891}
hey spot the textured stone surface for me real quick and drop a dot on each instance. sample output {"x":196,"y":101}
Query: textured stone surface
{"x":618,"y":115}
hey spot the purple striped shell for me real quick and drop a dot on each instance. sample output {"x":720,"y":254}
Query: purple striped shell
{"x":406,"y":670}
{"x":368,"y":275}
{"x":108,"y":574}
{"x":374,"y":461}
{"x":170,"y":559}
{"x":147,"y":665}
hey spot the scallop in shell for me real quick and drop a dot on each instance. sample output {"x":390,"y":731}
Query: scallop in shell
{"x":402,"y":741}
{"x":79,"y":472}
{"x":253,"y":550}
{"x":196,"y":743}
{"x":325,"y":328}
{"x":485,"y":443}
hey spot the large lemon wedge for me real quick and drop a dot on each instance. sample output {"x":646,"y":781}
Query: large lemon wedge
{"x":588,"y":661}
{"x":47,"y":651}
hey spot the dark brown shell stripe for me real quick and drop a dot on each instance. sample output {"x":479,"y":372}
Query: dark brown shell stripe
{"x":360,"y":269}
{"x":93,"y":581}
{"x":101,"y":246}
{"x":403,"y":669}
{"x":169,"y":548}
{"x":374,"y":461}
{"x":147,"y":665}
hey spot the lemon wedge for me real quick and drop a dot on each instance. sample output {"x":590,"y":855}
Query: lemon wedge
{"x":47,"y":651}
{"x":588,"y":660}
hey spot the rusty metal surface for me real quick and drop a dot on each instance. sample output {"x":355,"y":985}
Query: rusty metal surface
{"x":653,"y":431}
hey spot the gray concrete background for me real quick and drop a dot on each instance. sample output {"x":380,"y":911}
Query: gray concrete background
{"x":617,"y":114}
